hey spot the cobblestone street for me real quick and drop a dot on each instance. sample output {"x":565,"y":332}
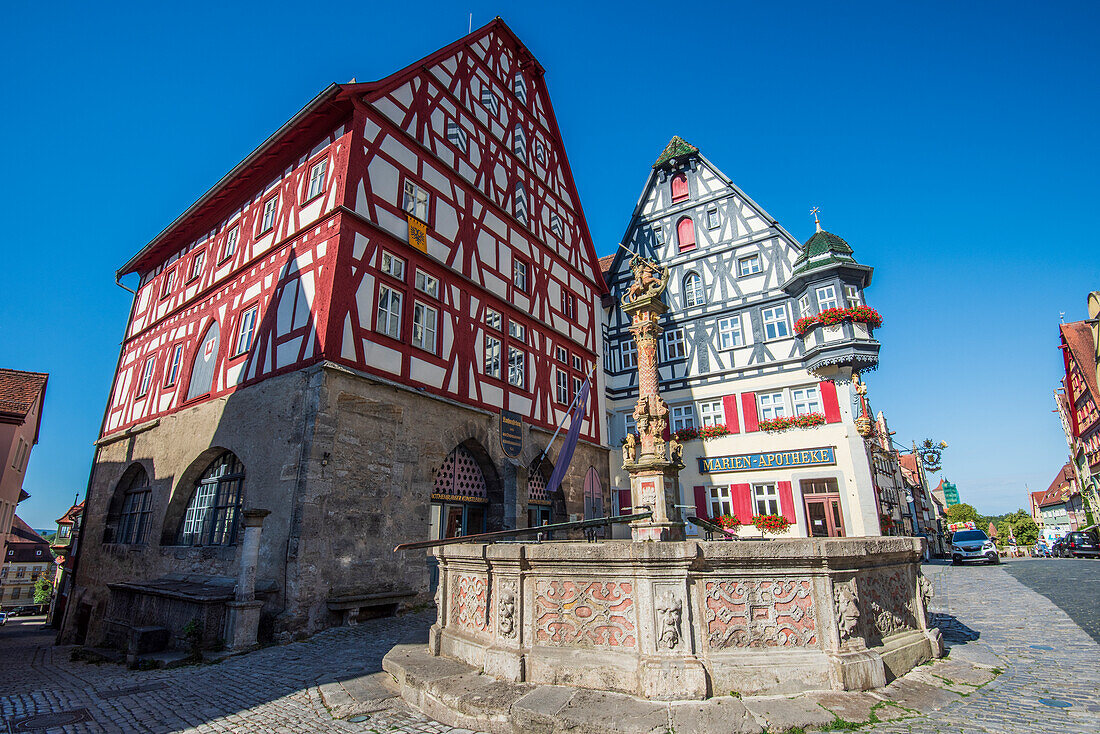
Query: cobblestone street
{"x":987,"y":616}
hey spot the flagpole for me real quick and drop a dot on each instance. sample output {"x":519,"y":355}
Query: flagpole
{"x":561,"y":425}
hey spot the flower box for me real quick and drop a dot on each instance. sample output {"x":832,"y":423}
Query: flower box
{"x":771,"y":523}
{"x":834,"y":316}
{"x":807,"y":420}
{"x":706,"y":433}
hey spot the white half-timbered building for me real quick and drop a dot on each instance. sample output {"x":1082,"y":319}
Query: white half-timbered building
{"x":370,"y":328}
{"x":730,"y":356}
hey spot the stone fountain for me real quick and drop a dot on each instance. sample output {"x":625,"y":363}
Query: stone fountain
{"x":664,"y":618}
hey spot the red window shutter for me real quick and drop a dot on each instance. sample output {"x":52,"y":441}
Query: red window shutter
{"x":829,"y":400}
{"x":701,"y":509}
{"x":752,"y":420}
{"x":679,"y":187}
{"x":742,"y":502}
{"x":685,"y":233}
{"x":624,"y":501}
{"x":786,"y":501}
{"x":729,"y":407}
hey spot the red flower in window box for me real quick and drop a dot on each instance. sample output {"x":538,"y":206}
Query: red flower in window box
{"x":834,"y":316}
{"x":705,"y":433}
{"x":806,"y":420}
{"x":771,"y":523}
{"x":727,"y":521}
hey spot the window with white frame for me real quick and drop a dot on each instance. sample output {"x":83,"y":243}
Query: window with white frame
{"x":169,"y":281}
{"x":457,"y":137}
{"x":749,"y":265}
{"x":425,"y":320}
{"x":556,"y":226}
{"x":826,"y":297}
{"x":628,"y":350}
{"x":246,"y":330}
{"x":492,"y":319}
{"x":389,"y":312}
{"x":488,"y":99}
{"x":765,"y":499}
{"x":729,"y":333}
{"x":775,"y":322}
{"x":712,"y":217}
{"x":806,"y":400}
{"x":852,"y":296}
{"x":146,"y":376}
{"x":683,"y":416}
{"x":721,"y":503}
{"x":317,"y":179}
{"x":804,"y":308}
{"x":427,"y":284}
{"x":492,"y":357}
{"x":562,"y":386}
{"x":267,"y":222}
{"x":519,"y":275}
{"x":231,"y":242}
{"x":519,"y":86}
{"x":576,"y":384}
{"x":196,"y":264}
{"x":415,"y":201}
{"x":561,"y":354}
{"x":693,"y":290}
{"x":519,"y":142}
{"x":393,"y":266}
{"x":674,"y":344}
{"x":516,"y":367}
{"x":710,"y":413}
{"x":658,"y":234}
{"x":629,"y":425}
{"x":173,"y":371}
{"x":516,"y":331}
{"x":578,"y":363}
{"x":771,"y":405}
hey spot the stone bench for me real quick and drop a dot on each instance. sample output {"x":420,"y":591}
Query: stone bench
{"x":353,"y":605}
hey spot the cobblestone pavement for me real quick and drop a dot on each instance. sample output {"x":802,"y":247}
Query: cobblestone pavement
{"x":983,"y":610}
{"x":1071,"y":583}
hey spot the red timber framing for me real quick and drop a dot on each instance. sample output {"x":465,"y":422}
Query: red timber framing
{"x":472,"y":127}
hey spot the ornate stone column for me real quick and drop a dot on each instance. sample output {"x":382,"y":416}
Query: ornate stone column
{"x":244,"y":611}
{"x":654,"y":474}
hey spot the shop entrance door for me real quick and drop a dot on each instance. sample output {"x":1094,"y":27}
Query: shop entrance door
{"x":823,"y":512}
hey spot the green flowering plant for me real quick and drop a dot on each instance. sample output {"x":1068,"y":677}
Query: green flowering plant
{"x":771,"y":523}
{"x":783,"y":423}
{"x":834,"y":316}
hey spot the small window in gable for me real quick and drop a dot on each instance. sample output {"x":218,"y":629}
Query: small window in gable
{"x":519,"y":85}
{"x":488,"y":99}
{"x":317,"y":179}
{"x":540,"y":152}
{"x":457,"y":137}
{"x":679,"y":187}
{"x":519,"y":143}
{"x":520,"y":202}
{"x":658,"y":234}
{"x":712,"y":217}
{"x":555,"y":225}
{"x":685,"y":233}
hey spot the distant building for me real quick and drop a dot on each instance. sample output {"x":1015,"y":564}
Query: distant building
{"x":928,"y":509}
{"x":22,"y":395}
{"x":26,"y":557}
{"x":68,"y":528}
{"x":1078,"y":404}
{"x":761,"y":330}
{"x":1061,"y":507}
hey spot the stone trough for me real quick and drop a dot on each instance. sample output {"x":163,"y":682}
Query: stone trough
{"x":687,"y":620}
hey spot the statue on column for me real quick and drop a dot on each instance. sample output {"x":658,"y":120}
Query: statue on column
{"x":649,"y":280}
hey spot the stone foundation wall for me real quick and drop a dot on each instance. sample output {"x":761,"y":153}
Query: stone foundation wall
{"x":686,"y":620}
{"x":345,"y":464}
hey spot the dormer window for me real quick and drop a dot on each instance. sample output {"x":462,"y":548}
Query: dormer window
{"x":679,"y":187}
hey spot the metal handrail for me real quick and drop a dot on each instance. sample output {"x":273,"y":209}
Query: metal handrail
{"x":588,"y":525}
{"x":712,"y":529}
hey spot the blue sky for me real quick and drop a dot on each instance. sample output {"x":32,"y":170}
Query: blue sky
{"x":952,"y":144}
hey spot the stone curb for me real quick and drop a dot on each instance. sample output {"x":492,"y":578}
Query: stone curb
{"x":461,"y":696}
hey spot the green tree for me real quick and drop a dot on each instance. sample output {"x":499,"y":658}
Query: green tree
{"x":1027,"y":532}
{"x":42,"y":590}
{"x":1005,"y":529}
{"x":963,"y":512}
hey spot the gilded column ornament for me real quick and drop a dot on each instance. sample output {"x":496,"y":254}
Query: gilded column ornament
{"x":863,"y":422}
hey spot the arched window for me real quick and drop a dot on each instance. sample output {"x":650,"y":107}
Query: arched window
{"x":693,"y":290}
{"x":685,"y":233}
{"x":202,"y":371}
{"x":460,"y":496}
{"x":130,"y":508}
{"x":679,"y":187}
{"x":213,"y":513}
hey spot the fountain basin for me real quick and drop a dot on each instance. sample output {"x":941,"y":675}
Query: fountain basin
{"x":689,"y":619}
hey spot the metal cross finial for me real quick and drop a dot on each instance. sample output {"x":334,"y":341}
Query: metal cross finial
{"x":817,"y":222}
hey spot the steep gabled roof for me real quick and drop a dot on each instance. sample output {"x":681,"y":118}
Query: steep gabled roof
{"x":71,"y":515}
{"x":21,"y":532}
{"x":1060,"y":488}
{"x":1078,"y":337}
{"x":19,"y":392}
{"x":676,"y":148}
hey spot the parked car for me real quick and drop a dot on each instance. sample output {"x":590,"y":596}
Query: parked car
{"x":1058,"y":546}
{"x":3,"y":618}
{"x":972,"y":545}
{"x":1082,"y":543}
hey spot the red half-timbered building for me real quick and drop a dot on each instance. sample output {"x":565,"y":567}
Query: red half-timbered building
{"x":333,"y":332}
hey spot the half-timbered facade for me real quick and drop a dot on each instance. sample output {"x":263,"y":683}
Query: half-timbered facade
{"x":1079,"y":401}
{"x":746,"y":347}
{"x":337,"y":333}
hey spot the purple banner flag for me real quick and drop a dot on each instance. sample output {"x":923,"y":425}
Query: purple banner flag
{"x":580,"y":406}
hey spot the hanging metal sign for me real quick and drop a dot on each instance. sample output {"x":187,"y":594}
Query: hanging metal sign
{"x":511,"y":433}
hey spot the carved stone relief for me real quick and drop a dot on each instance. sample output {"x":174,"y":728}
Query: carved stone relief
{"x":585,"y":613}
{"x":669,"y":611}
{"x":777,"y":613}
{"x":469,"y":602}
